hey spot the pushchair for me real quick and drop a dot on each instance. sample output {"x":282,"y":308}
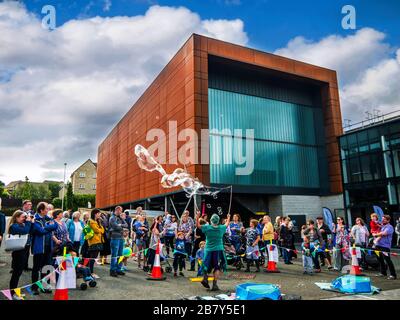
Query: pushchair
{"x":371,"y":259}
{"x":163,"y":261}
{"x":233,"y":257}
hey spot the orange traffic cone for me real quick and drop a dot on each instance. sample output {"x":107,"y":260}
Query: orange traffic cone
{"x":355,"y":268}
{"x":156,"y":272}
{"x":271,"y":266}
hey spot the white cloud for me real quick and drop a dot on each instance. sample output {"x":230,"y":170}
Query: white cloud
{"x":367,"y":70}
{"x":62,"y":91}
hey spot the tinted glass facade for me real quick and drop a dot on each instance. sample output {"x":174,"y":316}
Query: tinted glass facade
{"x":289,"y":149}
{"x":371,"y":168}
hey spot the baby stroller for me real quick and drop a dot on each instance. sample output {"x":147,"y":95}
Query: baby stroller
{"x":370,"y":257}
{"x":233,"y":258}
{"x":163,"y":261}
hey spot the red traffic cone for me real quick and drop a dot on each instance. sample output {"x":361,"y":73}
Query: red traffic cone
{"x":355,"y":268}
{"x":271,"y":266}
{"x":156,"y":272}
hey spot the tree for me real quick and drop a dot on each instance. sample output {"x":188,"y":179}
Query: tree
{"x":43,"y":192}
{"x":3,"y":190}
{"x":69,"y":201}
{"x":54,"y":188}
{"x":26,"y":191}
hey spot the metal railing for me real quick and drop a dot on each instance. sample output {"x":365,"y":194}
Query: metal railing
{"x":372,"y":121}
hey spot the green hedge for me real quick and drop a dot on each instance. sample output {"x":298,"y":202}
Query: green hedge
{"x":79,"y":201}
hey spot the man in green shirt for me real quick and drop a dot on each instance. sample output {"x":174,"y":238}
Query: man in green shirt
{"x":214,"y":254}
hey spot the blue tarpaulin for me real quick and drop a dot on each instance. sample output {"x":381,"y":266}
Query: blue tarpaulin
{"x":257,"y":291}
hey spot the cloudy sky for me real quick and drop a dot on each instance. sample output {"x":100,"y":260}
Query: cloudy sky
{"x":62,"y":91}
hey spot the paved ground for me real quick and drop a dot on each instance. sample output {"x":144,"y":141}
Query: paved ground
{"x":135,"y":286}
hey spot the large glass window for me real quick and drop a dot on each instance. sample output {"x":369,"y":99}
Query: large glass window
{"x":355,"y":170}
{"x":286,"y":149}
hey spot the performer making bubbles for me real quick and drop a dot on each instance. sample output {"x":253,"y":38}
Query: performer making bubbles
{"x":214,"y":255}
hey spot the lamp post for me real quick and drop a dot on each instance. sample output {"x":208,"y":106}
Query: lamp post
{"x":63,"y":193}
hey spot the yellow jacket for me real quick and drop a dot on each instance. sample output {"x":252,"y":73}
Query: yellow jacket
{"x":98,"y":233}
{"x":268,"y":232}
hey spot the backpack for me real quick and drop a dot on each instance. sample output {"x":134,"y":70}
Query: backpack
{"x":88,"y":232}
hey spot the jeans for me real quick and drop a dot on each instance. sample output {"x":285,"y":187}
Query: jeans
{"x":307,"y":263}
{"x":235,"y":241}
{"x":117,"y":246}
{"x":286,"y":255}
{"x":385,"y":261}
{"x":316,"y":261}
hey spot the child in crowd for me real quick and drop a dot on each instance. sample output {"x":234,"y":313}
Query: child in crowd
{"x":307,"y":249}
{"x":375,"y":226}
{"x":179,"y":254}
{"x":252,"y":250}
{"x":140,"y":231}
{"x":200,"y":258}
{"x":83,"y":272}
{"x":127,"y":244}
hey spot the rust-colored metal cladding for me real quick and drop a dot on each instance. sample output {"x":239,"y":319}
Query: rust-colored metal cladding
{"x":180,"y":93}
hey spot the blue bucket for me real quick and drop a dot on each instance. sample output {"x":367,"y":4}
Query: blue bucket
{"x":257,"y":291}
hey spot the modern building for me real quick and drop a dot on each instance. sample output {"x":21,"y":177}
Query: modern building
{"x":293,"y":108}
{"x":84,"y":178}
{"x":370,"y":157}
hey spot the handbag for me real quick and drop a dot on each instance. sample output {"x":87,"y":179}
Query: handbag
{"x":16,"y":242}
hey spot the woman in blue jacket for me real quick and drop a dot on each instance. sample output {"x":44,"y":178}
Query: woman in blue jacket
{"x":19,"y":224}
{"x":75,"y":230}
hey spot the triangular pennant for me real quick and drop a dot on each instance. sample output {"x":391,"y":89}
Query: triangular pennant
{"x":385,"y":253}
{"x":18,"y":291}
{"x":85,"y":262}
{"x":120,"y":259}
{"x":326,"y":250}
{"x":7,"y":294}
{"x":394,"y":254}
{"x":97,"y":261}
{"x":377,"y":252}
{"x":76,"y":260}
{"x":102,"y":260}
{"x":369,"y":252}
{"x":39,"y":284}
{"x":28,"y":288}
{"x":288,"y":250}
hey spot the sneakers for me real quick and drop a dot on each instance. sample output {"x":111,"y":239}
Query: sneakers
{"x":391,"y":278}
{"x":317,"y":270}
{"x":113,"y":274}
{"x":120,"y":273}
{"x":95,"y":276}
{"x":181,"y":274}
{"x":381,"y":275}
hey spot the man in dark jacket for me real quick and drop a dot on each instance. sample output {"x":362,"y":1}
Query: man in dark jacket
{"x":42,"y":243}
{"x":116,"y":226}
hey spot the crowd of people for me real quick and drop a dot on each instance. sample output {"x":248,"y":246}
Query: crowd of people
{"x":201,"y":242}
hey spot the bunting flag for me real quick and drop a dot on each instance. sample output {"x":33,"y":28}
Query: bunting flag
{"x":28,"y":288}
{"x":40,"y":285}
{"x":102,"y":260}
{"x":120,"y":259}
{"x":76,"y":260}
{"x":377,"y":252}
{"x":97,"y":261}
{"x":85,"y":262}
{"x":369,"y":252}
{"x":394,"y":254}
{"x":65,"y":252}
{"x":7,"y":294}
{"x":18,"y":292}
{"x":385,"y":253}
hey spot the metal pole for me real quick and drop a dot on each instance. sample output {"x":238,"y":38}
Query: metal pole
{"x":63,"y":193}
